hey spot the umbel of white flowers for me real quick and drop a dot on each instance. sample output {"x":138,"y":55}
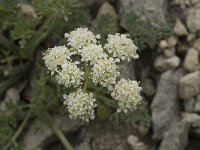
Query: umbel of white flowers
{"x":84,"y":59}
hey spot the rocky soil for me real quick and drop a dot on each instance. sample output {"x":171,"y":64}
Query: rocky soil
{"x":171,"y":84}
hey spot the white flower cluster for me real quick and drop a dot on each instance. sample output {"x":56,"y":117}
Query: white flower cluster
{"x":70,"y":75}
{"x":121,"y":47}
{"x":92,"y":53}
{"x":79,"y":38}
{"x":127,"y":93}
{"x":105,"y":72}
{"x":83,"y":59}
{"x":55,"y":57}
{"x":80,"y":105}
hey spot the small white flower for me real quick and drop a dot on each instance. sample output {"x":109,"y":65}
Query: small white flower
{"x":55,"y":57}
{"x":79,"y":38}
{"x":121,"y":47}
{"x":92,"y":53}
{"x":70,"y":75}
{"x":105,"y":72}
{"x":80,"y":105}
{"x":127,"y":93}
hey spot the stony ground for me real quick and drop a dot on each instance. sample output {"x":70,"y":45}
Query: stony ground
{"x":169,"y":75}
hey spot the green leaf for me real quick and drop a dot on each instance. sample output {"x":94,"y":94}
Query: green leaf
{"x":144,"y":33}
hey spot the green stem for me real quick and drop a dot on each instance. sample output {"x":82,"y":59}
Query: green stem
{"x":85,"y":84}
{"x":59,"y":134}
{"x":18,"y":132}
{"x":62,"y":137}
{"x":40,"y":36}
{"x":8,"y":44}
{"x":107,"y":100}
{"x":17,"y":74}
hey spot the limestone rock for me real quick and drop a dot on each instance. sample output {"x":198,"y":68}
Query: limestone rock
{"x":191,"y":61}
{"x":189,"y":85}
{"x":148,"y":87}
{"x":192,"y":118}
{"x":163,"y":44}
{"x":153,"y":10}
{"x":38,"y":134}
{"x":172,"y":41}
{"x":193,"y":20}
{"x":121,"y":147}
{"x":163,"y":64}
{"x":169,"y":52}
{"x":107,"y":9}
{"x":196,"y":44}
{"x":197,"y":104}
{"x":176,"y":138}
{"x":189,"y":104}
{"x":182,"y":48}
{"x":179,"y":28}
{"x":191,"y":37}
{"x":83,"y":146}
{"x":11,"y":96}
{"x":28,"y":10}
{"x":127,"y":70}
{"x":193,"y":2}
{"x":136,"y":143}
{"x":165,"y":105}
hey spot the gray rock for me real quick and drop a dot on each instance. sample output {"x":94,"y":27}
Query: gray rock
{"x":153,"y":10}
{"x":107,"y":9}
{"x":176,"y":138}
{"x":28,"y":10}
{"x":163,"y":64}
{"x":189,"y":85}
{"x":191,"y":61}
{"x":193,"y":2}
{"x":179,"y":28}
{"x":193,"y":20}
{"x":197,"y":104}
{"x":165,"y":105}
{"x":182,"y":48}
{"x":142,"y":130}
{"x":11,"y":96}
{"x":192,"y":118}
{"x":83,"y":146}
{"x":191,"y":37}
{"x":196,"y":44}
{"x":38,"y":133}
{"x":127,"y":70}
{"x":169,"y":52}
{"x":121,"y":147}
{"x":163,"y":44}
{"x":180,"y":3}
{"x":189,"y":105}
{"x":172,"y":41}
{"x":148,"y":87}
{"x":135,"y":143}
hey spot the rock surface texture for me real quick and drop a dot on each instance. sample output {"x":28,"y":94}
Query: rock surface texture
{"x":165,"y":105}
{"x":176,"y":138}
{"x":153,"y":10}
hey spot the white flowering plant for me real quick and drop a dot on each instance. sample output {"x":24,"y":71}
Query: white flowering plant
{"x":90,"y":73}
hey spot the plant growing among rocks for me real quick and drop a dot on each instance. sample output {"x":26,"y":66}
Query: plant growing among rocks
{"x":89,"y":69}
